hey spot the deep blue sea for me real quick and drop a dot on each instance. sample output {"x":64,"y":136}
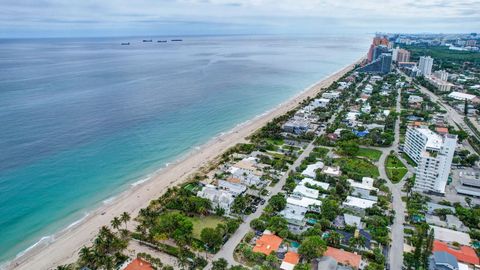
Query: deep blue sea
{"x":83,"y":119}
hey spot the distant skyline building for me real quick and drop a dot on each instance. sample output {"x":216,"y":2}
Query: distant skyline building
{"x":381,"y":65}
{"x":433,"y":154}
{"x":377,"y":41}
{"x":425,"y":65}
{"x":471,"y":43}
{"x":379,"y":50}
{"x":403,"y":55}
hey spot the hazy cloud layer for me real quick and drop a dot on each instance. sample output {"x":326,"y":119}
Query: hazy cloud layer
{"x":122,"y":17}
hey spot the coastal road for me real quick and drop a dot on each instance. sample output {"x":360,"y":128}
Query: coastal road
{"x":226,"y":252}
{"x":396,"y":249}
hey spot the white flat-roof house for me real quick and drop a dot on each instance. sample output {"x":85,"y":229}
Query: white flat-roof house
{"x":415,"y":99}
{"x":368,"y":89}
{"x":367,"y":184}
{"x":357,"y":205}
{"x":314,"y":183}
{"x":219,"y":198}
{"x":311,"y":169}
{"x":366,"y":108}
{"x":331,"y":95}
{"x":234,"y":188}
{"x":296,"y":126}
{"x":332,"y":171}
{"x":320,"y":102}
{"x":297,"y":207}
{"x":433,"y":154}
{"x":245,"y":177}
{"x":303,"y":191}
{"x":451,"y":236}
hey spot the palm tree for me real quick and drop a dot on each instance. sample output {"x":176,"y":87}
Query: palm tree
{"x":85,"y":254}
{"x":116,"y":222}
{"x":125,"y":217}
{"x":335,"y":238}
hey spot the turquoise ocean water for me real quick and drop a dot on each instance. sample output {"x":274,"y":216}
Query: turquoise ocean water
{"x":83,"y":119}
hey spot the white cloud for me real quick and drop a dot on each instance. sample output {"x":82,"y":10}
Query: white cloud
{"x":426,"y":15}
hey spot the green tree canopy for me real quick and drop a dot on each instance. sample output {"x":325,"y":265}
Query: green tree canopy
{"x":312,"y":247}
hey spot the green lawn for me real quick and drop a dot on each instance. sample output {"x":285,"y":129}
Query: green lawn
{"x":199,"y":223}
{"x":357,"y":167}
{"x":395,"y":168}
{"x":371,"y":154}
{"x":321,"y":152}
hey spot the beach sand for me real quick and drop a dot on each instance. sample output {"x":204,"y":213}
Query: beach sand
{"x":66,"y":245}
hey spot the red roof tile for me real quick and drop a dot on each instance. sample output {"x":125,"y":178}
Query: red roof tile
{"x":139,"y":264}
{"x":292,"y":258}
{"x":442,"y":130}
{"x":464,"y":254}
{"x":344,"y":257}
{"x":267,"y":243}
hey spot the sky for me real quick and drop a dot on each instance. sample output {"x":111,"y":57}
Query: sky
{"x":84,"y":18}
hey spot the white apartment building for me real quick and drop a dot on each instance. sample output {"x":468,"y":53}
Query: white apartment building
{"x":441,"y":74}
{"x":425,"y":65}
{"x":441,"y":85}
{"x":433,"y":154}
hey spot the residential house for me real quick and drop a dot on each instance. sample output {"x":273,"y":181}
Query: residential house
{"x":314,"y":183}
{"x":441,"y":260}
{"x":303,"y":191}
{"x":358,"y":205}
{"x":139,"y":264}
{"x":351,"y":220}
{"x":320,"y":103}
{"x":332,"y":171}
{"x":451,"y":236}
{"x":297,"y":207}
{"x":234,"y":188}
{"x":331,"y":95}
{"x":267,"y":243}
{"x":291,"y":259}
{"x":311,"y":169}
{"x":344,"y":257}
{"x":366,"y":108}
{"x":463,"y":254}
{"x":296,"y":126}
{"x":219,"y":198}
{"x":368,"y":89}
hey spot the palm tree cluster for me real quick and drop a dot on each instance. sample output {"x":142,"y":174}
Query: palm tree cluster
{"x":106,"y":252}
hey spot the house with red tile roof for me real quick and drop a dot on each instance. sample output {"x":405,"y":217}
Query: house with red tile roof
{"x":344,"y":257}
{"x":441,"y":130}
{"x":267,"y":243}
{"x":464,"y":254}
{"x":291,"y":259}
{"x":139,"y":264}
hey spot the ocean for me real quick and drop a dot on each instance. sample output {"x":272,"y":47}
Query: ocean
{"x":82,"y":120}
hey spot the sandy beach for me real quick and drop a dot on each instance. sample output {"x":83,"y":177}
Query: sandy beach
{"x":66,"y":245}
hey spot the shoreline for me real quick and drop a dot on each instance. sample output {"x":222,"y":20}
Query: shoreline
{"x":63,"y":247}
